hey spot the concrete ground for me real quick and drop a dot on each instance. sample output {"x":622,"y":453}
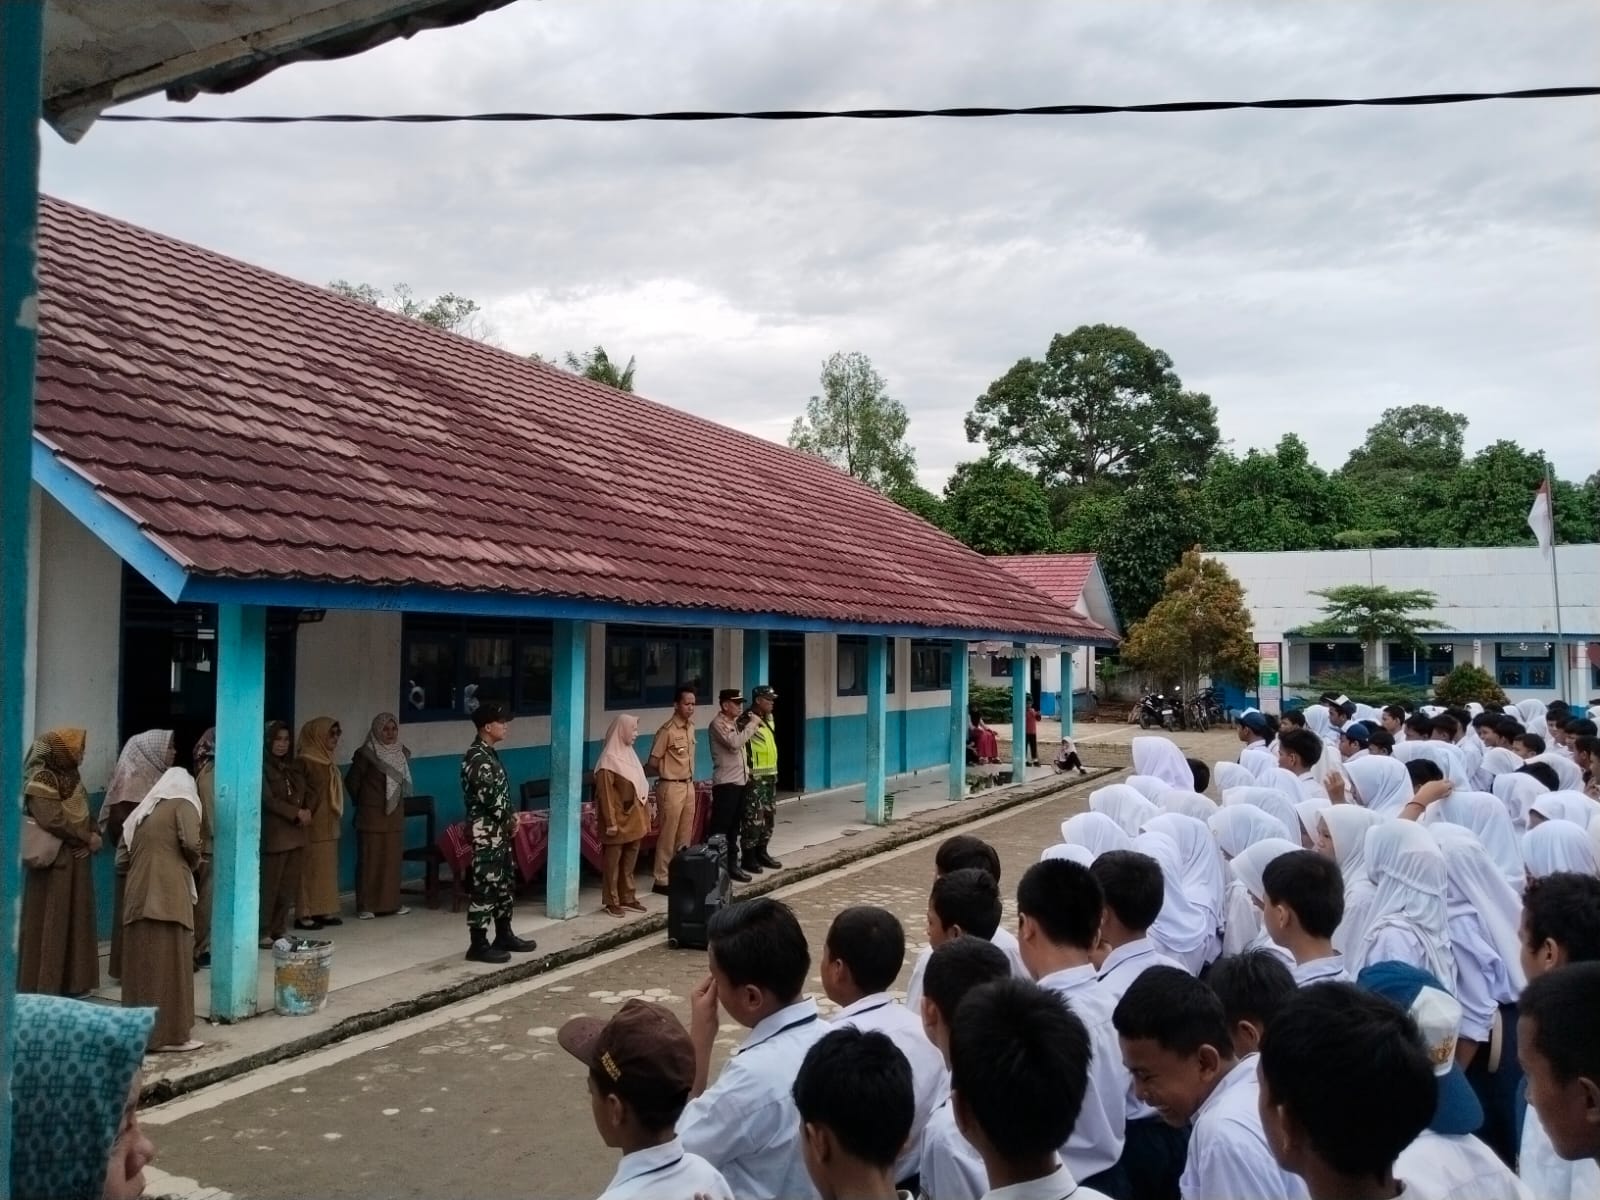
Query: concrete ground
{"x":476,"y":1099}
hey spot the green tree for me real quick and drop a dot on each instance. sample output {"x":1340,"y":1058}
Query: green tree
{"x":1100,"y":405}
{"x":1468,"y":683}
{"x":1402,"y":473}
{"x":857,"y":426}
{"x":1199,"y":628}
{"x":1373,"y":614}
{"x":915,"y":498}
{"x":1277,"y":500}
{"x":450,"y":312}
{"x":997,"y":508}
{"x":597,"y":365}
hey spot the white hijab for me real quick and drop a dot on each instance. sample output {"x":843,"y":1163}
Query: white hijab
{"x":1161,"y":757}
{"x":1148,"y":786}
{"x":1518,"y":792}
{"x":393,"y":761}
{"x":1568,"y":773}
{"x":1240,"y":826}
{"x":1252,"y":864}
{"x":1286,"y":782}
{"x":1096,"y":833}
{"x":1259,"y":760}
{"x":1317,"y":722}
{"x":1535,"y":717}
{"x":1231,"y":775}
{"x":1124,"y":805}
{"x":1308,"y":811}
{"x":1486,"y":817}
{"x":1204,"y":881}
{"x":1566,"y":806}
{"x":1450,"y":761}
{"x":176,"y":784}
{"x":1381,"y":784}
{"x":1185,"y":925}
{"x":1190,"y":804}
{"x":1070,"y":852}
{"x":1559,"y":846}
{"x":1477,"y":886}
{"x":1270,"y":801}
{"x":1407,"y":868}
{"x":1496,"y":762}
{"x":620,"y":758}
{"x":1348,"y":826}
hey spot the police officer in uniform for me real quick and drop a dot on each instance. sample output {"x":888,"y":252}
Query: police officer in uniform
{"x":761,"y":796}
{"x":491,"y":822}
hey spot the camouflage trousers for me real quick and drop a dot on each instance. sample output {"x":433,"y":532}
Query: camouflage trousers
{"x":493,"y":885}
{"x":760,"y":813}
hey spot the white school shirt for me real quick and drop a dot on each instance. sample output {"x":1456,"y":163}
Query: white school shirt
{"x":1546,"y":1174}
{"x":745,"y":1124}
{"x":1096,"y":1141}
{"x":1320,"y":970}
{"x":1003,"y":938}
{"x":951,"y":1167}
{"x":930,"y":1082}
{"x":666,"y":1172}
{"x":1456,"y":1167}
{"x":1060,"y":1186}
{"x":1121,"y":967}
{"x":1228,"y":1154}
{"x":1482,"y":982}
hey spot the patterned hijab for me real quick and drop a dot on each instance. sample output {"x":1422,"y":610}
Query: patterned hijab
{"x":50,"y":772}
{"x":391,"y":760}
{"x":205,"y":750}
{"x":75,"y":1063}
{"x":144,"y":759}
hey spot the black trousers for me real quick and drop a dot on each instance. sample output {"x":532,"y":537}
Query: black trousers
{"x":1498,"y":1092}
{"x":1153,"y":1156}
{"x":727,"y":810}
{"x":1032,"y":742}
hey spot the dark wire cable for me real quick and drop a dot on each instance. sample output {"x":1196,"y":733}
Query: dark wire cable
{"x":869,"y":114}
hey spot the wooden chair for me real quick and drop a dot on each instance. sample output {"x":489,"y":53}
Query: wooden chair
{"x":534,"y":789}
{"x":428,"y":853}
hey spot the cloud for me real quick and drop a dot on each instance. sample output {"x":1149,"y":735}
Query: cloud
{"x":1307,"y":269}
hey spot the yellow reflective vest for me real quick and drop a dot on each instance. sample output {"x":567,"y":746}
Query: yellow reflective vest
{"x":762,"y":750}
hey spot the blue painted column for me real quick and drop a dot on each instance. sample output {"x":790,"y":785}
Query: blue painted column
{"x":1067,"y":657}
{"x":241,"y":722}
{"x":958,"y":720}
{"x":757,"y":661}
{"x":21,"y":22}
{"x":569,"y":707}
{"x":1019,"y":711}
{"x":877,"y":727}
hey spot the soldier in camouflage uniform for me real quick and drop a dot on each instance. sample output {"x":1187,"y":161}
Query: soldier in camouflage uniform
{"x":492,"y":822}
{"x":761,"y":796}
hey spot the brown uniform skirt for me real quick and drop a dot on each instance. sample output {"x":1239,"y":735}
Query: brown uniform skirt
{"x":60,"y":954}
{"x":158,"y":973}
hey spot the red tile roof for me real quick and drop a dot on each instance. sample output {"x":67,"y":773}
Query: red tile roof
{"x":260,"y":428}
{"x":1060,"y":576}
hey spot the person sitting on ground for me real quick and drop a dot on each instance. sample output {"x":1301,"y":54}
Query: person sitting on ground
{"x":1253,"y":987}
{"x":951,"y":1167}
{"x":1354,"y":740}
{"x":1067,"y":757}
{"x":1058,"y":924}
{"x":745,"y":1124}
{"x":1445,"y":729}
{"x":1381,"y":742}
{"x":1201,"y":773}
{"x":955,"y":854}
{"x":1419,"y":728}
{"x":1299,"y":751}
{"x":1528,"y":745}
{"x":1305,"y":903}
{"x":641,"y":1069}
{"x":1558,"y":1040}
{"x":854,"y":1096}
{"x":862,"y":956}
{"x":1176,"y":1043}
{"x":1019,"y":1068}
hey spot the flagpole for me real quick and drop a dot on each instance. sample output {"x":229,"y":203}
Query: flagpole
{"x":1562,"y":672}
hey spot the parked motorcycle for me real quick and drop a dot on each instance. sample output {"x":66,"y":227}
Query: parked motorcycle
{"x":1155,"y":709}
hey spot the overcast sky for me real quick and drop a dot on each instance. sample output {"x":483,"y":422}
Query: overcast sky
{"x":1307,"y":269}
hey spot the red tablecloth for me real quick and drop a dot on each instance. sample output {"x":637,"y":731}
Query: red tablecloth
{"x":530,"y":845}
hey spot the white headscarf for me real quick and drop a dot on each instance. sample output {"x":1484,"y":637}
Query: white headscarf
{"x":1450,"y":761}
{"x":1368,"y":715}
{"x":1204,"y":881}
{"x":1240,"y":826}
{"x":1096,"y":833}
{"x":1270,"y":801}
{"x":1348,"y":826}
{"x":1567,"y":806}
{"x":1317,"y":722}
{"x":1478,"y":887}
{"x":1259,"y":761}
{"x":1185,"y":926}
{"x":1249,"y":866}
{"x":393,"y":761}
{"x":1148,"y":786}
{"x":1124,"y":805}
{"x":1407,"y":868}
{"x":1161,"y":757}
{"x":620,"y":758}
{"x":1568,"y":774}
{"x":1559,"y":846}
{"x":1518,"y":792}
{"x":1070,"y":852}
{"x":1190,"y":804}
{"x":1231,"y":775}
{"x":1486,"y":817}
{"x":1535,"y":717}
{"x":176,"y":784}
{"x":1380,"y":783}
{"x":1286,"y":782}
{"x":1307,"y":811}
{"x":1496,"y":762}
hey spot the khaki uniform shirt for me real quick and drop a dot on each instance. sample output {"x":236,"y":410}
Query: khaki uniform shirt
{"x":727,"y":749}
{"x":673,"y":751}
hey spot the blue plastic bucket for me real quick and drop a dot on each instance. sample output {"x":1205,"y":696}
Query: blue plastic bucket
{"x":300,"y":972}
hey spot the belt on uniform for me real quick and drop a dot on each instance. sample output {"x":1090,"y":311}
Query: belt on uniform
{"x":676,"y":781}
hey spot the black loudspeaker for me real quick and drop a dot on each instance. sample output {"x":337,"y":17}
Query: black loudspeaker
{"x":697,"y":886}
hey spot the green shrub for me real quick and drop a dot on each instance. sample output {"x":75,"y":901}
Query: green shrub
{"x":993,"y":703}
{"x":1363,"y":689}
{"x":1468,"y":683}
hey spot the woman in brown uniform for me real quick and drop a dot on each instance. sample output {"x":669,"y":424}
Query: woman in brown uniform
{"x":60,"y":954}
{"x":163,"y":840}
{"x":284,"y":817}
{"x":379,"y":780}
{"x":144,"y":759}
{"x":319,"y":872}
{"x":620,"y":814}
{"x":205,"y":782}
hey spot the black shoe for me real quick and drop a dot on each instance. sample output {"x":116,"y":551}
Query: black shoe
{"x":767,"y":861}
{"x":504,"y":939}
{"x":202,"y":961}
{"x":661,"y":889}
{"x":333,"y":920}
{"x":738,"y":874}
{"x":481,"y":951}
{"x":752,"y":864}
{"x":311,"y":925}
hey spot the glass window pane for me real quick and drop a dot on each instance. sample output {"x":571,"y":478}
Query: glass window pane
{"x":430,"y":675}
{"x":486,"y":673}
{"x":660,"y":668}
{"x":851,"y":669}
{"x":696,"y":670}
{"x":535,"y":675}
{"x":624,"y":671}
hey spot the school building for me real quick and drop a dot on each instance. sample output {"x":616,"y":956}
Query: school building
{"x":1495,"y":609}
{"x":257,"y":500}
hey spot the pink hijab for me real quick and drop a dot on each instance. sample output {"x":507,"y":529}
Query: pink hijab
{"x":618,"y":757}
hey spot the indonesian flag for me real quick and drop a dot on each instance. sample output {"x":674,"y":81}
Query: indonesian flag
{"x":1539,"y":518}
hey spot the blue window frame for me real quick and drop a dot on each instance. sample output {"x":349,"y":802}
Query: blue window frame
{"x":1335,"y":656}
{"x":930,"y":666}
{"x":1529,"y":666}
{"x":852,"y":665}
{"x":645,"y":665}
{"x":1419,"y":668}
{"x":447,"y":664}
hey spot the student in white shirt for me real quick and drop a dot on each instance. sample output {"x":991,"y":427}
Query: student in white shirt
{"x":641,"y":1069}
{"x":1353,"y":741}
{"x":955,"y":854}
{"x":855,"y":1101}
{"x":1019,"y":1067}
{"x":1176,"y":1043}
{"x":1446,"y":1162}
{"x":1058,"y":924}
{"x":864,"y":951}
{"x":745,"y":1124}
{"x":1153,"y":1152}
{"x":1558,"y":1039}
{"x":1345,"y":1086}
{"x":1303,"y":908}
{"x":1299,"y":752}
{"x":1253,"y":988}
{"x":951,"y":1166}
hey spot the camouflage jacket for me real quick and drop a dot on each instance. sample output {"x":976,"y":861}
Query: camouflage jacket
{"x":486,"y":789}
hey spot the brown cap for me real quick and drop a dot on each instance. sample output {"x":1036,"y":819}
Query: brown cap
{"x":643,"y":1053}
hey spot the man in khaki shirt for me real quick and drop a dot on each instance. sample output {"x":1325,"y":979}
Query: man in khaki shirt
{"x":672,"y":762}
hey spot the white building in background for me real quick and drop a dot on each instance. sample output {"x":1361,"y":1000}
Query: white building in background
{"x":1495,"y":609}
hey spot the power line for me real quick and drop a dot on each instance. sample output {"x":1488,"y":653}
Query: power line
{"x":865,"y":114}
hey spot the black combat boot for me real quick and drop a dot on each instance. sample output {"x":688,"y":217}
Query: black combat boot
{"x":766,"y":860}
{"x":482,"y":951}
{"x":735,"y":872}
{"x":505,"y":940}
{"x":752,"y":864}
